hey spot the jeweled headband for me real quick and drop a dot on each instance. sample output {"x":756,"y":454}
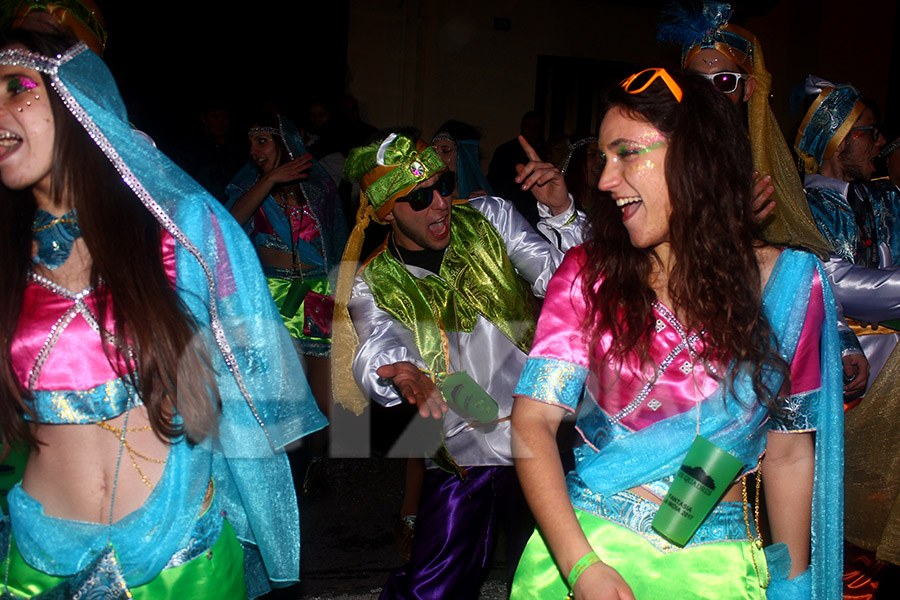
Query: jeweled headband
{"x":827,"y":122}
{"x":279,"y":131}
{"x":708,"y":29}
{"x":16,"y":57}
{"x":573,"y":148}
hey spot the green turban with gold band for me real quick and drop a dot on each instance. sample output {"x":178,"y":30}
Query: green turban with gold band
{"x":390,"y":169}
{"x":386,"y":170}
{"x":827,"y":122}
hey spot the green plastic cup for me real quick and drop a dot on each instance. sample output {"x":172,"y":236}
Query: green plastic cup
{"x":699,"y":483}
{"x":468,"y":399}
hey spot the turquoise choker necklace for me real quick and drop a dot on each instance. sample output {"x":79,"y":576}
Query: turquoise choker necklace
{"x":55,"y":237}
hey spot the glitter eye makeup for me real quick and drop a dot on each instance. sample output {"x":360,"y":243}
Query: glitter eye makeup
{"x":628,"y":150}
{"x":19,"y":84}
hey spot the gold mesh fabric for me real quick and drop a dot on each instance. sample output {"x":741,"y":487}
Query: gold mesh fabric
{"x":872,"y":467}
{"x":791,"y":223}
{"x":344,"y":341}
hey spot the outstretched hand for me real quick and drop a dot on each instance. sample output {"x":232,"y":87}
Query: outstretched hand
{"x":291,"y":170}
{"x":543,"y":179}
{"x":416,"y":388}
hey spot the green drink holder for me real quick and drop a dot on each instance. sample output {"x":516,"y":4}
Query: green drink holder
{"x":296,"y":293}
{"x":699,"y":483}
{"x":468,"y":399}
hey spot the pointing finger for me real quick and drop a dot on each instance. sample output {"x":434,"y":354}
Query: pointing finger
{"x":529,"y":151}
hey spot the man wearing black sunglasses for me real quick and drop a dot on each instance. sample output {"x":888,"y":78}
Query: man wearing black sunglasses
{"x":451,"y":293}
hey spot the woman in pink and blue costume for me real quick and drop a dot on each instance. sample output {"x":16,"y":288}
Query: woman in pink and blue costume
{"x":145,"y":362}
{"x":652,"y":334}
{"x":289,"y":206}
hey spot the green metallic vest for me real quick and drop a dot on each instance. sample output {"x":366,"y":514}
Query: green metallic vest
{"x":477,"y":270}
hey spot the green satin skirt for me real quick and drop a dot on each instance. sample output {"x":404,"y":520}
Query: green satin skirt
{"x":310,"y":326}
{"x":713,"y":571}
{"x":217,"y":573}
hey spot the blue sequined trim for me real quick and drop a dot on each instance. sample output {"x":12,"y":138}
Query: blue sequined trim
{"x":797,"y":414}
{"x":724,"y":523}
{"x":552,"y":381}
{"x":76,"y":407}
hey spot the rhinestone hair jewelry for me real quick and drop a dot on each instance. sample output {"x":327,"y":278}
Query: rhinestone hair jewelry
{"x":17,"y":57}
{"x":268,"y":130}
{"x":573,"y":148}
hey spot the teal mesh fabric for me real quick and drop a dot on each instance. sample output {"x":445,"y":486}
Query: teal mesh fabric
{"x":319,"y":191}
{"x":266,"y":401}
{"x":728,"y":418}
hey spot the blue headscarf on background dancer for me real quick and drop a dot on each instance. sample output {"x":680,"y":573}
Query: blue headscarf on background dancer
{"x":469,"y":176}
{"x":319,"y":191}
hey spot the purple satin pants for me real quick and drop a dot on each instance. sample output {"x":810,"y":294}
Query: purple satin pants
{"x":456,"y":527}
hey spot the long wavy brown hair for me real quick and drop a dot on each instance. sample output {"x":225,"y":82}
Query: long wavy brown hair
{"x":715,"y":281}
{"x":153,"y":331}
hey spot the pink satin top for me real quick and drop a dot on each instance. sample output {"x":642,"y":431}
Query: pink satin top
{"x":676,"y":381}
{"x":303,"y":223}
{"x":58,"y":355}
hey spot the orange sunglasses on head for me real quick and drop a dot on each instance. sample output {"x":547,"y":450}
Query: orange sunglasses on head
{"x":657,"y":73}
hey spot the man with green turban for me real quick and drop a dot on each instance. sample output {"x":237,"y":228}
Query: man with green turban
{"x":448,"y":302}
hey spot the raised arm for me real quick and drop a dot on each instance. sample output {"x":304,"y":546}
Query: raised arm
{"x":244,"y":207}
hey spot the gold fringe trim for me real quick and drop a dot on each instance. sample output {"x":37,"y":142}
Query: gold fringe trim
{"x":345,"y":341}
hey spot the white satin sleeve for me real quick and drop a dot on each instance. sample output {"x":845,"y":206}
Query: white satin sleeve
{"x":866,"y":294}
{"x":531,"y":254}
{"x":382,"y":341}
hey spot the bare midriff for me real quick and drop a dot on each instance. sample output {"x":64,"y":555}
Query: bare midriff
{"x":73,"y":474}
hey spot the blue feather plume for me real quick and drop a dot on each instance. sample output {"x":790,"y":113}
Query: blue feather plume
{"x":683,"y":26}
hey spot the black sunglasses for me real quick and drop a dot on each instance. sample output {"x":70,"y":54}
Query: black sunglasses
{"x":421,"y":198}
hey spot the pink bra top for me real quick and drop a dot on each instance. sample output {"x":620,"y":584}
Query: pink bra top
{"x":60,"y":359}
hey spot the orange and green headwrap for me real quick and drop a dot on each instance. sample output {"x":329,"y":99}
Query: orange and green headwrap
{"x":390,"y":169}
{"x":82,"y":17}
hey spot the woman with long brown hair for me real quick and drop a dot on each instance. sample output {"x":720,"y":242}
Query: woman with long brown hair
{"x":142,"y":360}
{"x":685,"y":333}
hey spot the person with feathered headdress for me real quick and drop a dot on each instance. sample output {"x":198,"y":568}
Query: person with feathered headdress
{"x":731,"y":58}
